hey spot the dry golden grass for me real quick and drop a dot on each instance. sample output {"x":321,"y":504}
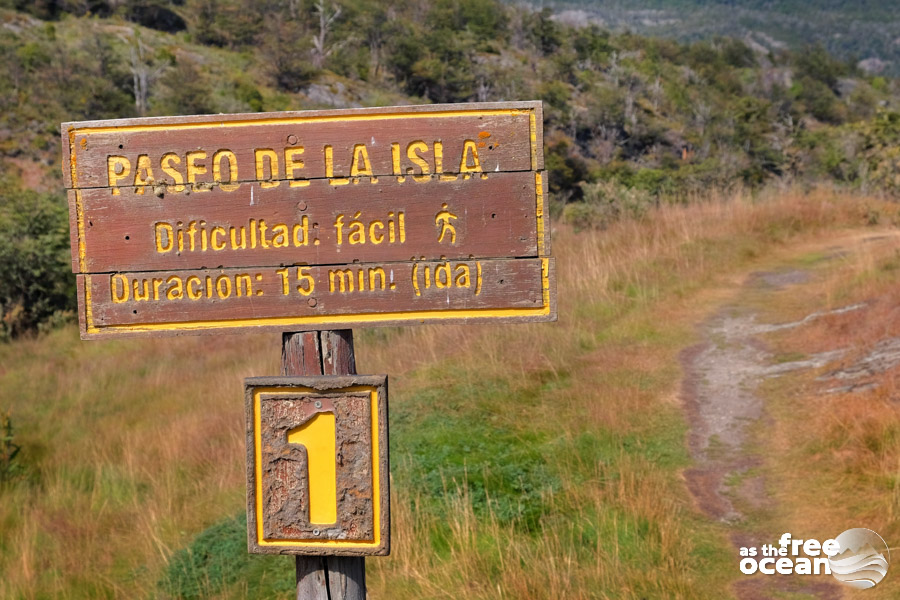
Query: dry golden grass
{"x":135,"y":446}
{"x":129,"y":444}
{"x":631,"y":261}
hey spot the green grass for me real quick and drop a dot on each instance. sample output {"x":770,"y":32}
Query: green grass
{"x":217,"y":560}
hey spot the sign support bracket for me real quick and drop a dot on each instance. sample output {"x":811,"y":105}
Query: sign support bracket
{"x":327,"y":352}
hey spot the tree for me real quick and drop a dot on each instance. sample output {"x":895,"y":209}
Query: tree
{"x":545,"y":32}
{"x":185,"y":90}
{"x":328,"y":12}
{"x":815,"y":62}
{"x":285,"y":51}
{"x":145,"y":70}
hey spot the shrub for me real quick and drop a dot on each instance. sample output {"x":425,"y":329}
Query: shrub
{"x":185,"y":90}
{"x":605,"y":202}
{"x":881,"y":149}
{"x":36,"y":282}
{"x":218,"y":558}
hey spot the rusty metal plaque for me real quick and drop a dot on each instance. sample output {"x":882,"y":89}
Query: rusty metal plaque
{"x":309,"y":220}
{"x":317,"y":465}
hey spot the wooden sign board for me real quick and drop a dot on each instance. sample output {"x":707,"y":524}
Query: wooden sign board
{"x":317,"y":465}
{"x":310,"y":220}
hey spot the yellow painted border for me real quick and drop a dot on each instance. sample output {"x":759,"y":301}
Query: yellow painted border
{"x":529,"y":112}
{"x":539,"y":211}
{"x":532,"y":127}
{"x":376,"y":473}
{"x":73,"y":158}
{"x":79,"y":219}
{"x":88,"y":307}
{"x":545,"y":282}
{"x":336,"y":320}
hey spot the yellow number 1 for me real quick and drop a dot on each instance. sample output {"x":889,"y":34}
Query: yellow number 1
{"x":318,"y":437}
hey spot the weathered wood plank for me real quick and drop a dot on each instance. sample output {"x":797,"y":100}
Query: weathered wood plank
{"x":218,"y":119}
{"x":281,"y":481}
{"x":300,"y":354}
{"x":319,"y":577}
{"x":338,"y":354}
{"x":310,"y":219}
{"x":214,"y":300}
{"x":316,"y":144}
{"x":346,"y":578}
{"x":496,"y":217}
{"x":313,"y":578}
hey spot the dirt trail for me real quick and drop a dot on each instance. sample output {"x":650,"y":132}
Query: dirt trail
{"x":722,"y":375}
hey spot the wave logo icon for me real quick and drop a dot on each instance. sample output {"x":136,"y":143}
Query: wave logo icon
{"x":863,"y":559}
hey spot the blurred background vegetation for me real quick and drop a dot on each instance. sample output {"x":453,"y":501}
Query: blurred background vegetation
{"x":630,"y":121}
{"x":860,"y":30}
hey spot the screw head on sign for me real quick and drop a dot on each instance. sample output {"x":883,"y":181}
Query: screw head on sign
{"x":292,"y":140}
{"x":315,"y":532}
{"x":301,"y":206}
{"x":311,"y":301}
{"x":318,"y":404}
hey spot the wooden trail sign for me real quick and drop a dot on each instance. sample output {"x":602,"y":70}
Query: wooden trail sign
{"x":310,"y":220}
{"x":317,"y":465}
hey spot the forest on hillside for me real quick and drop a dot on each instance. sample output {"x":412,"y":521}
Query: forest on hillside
{"x":630,"y":121}
{"x":866,"y":32}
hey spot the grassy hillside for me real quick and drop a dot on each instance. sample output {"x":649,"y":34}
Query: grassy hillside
{"x":630,"y":122}
{"x":522,"y":469}
{"x":851,"y":30}
{"x":635,"y":113}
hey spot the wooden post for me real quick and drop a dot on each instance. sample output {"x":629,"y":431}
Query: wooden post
{"x":324,"y":353}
